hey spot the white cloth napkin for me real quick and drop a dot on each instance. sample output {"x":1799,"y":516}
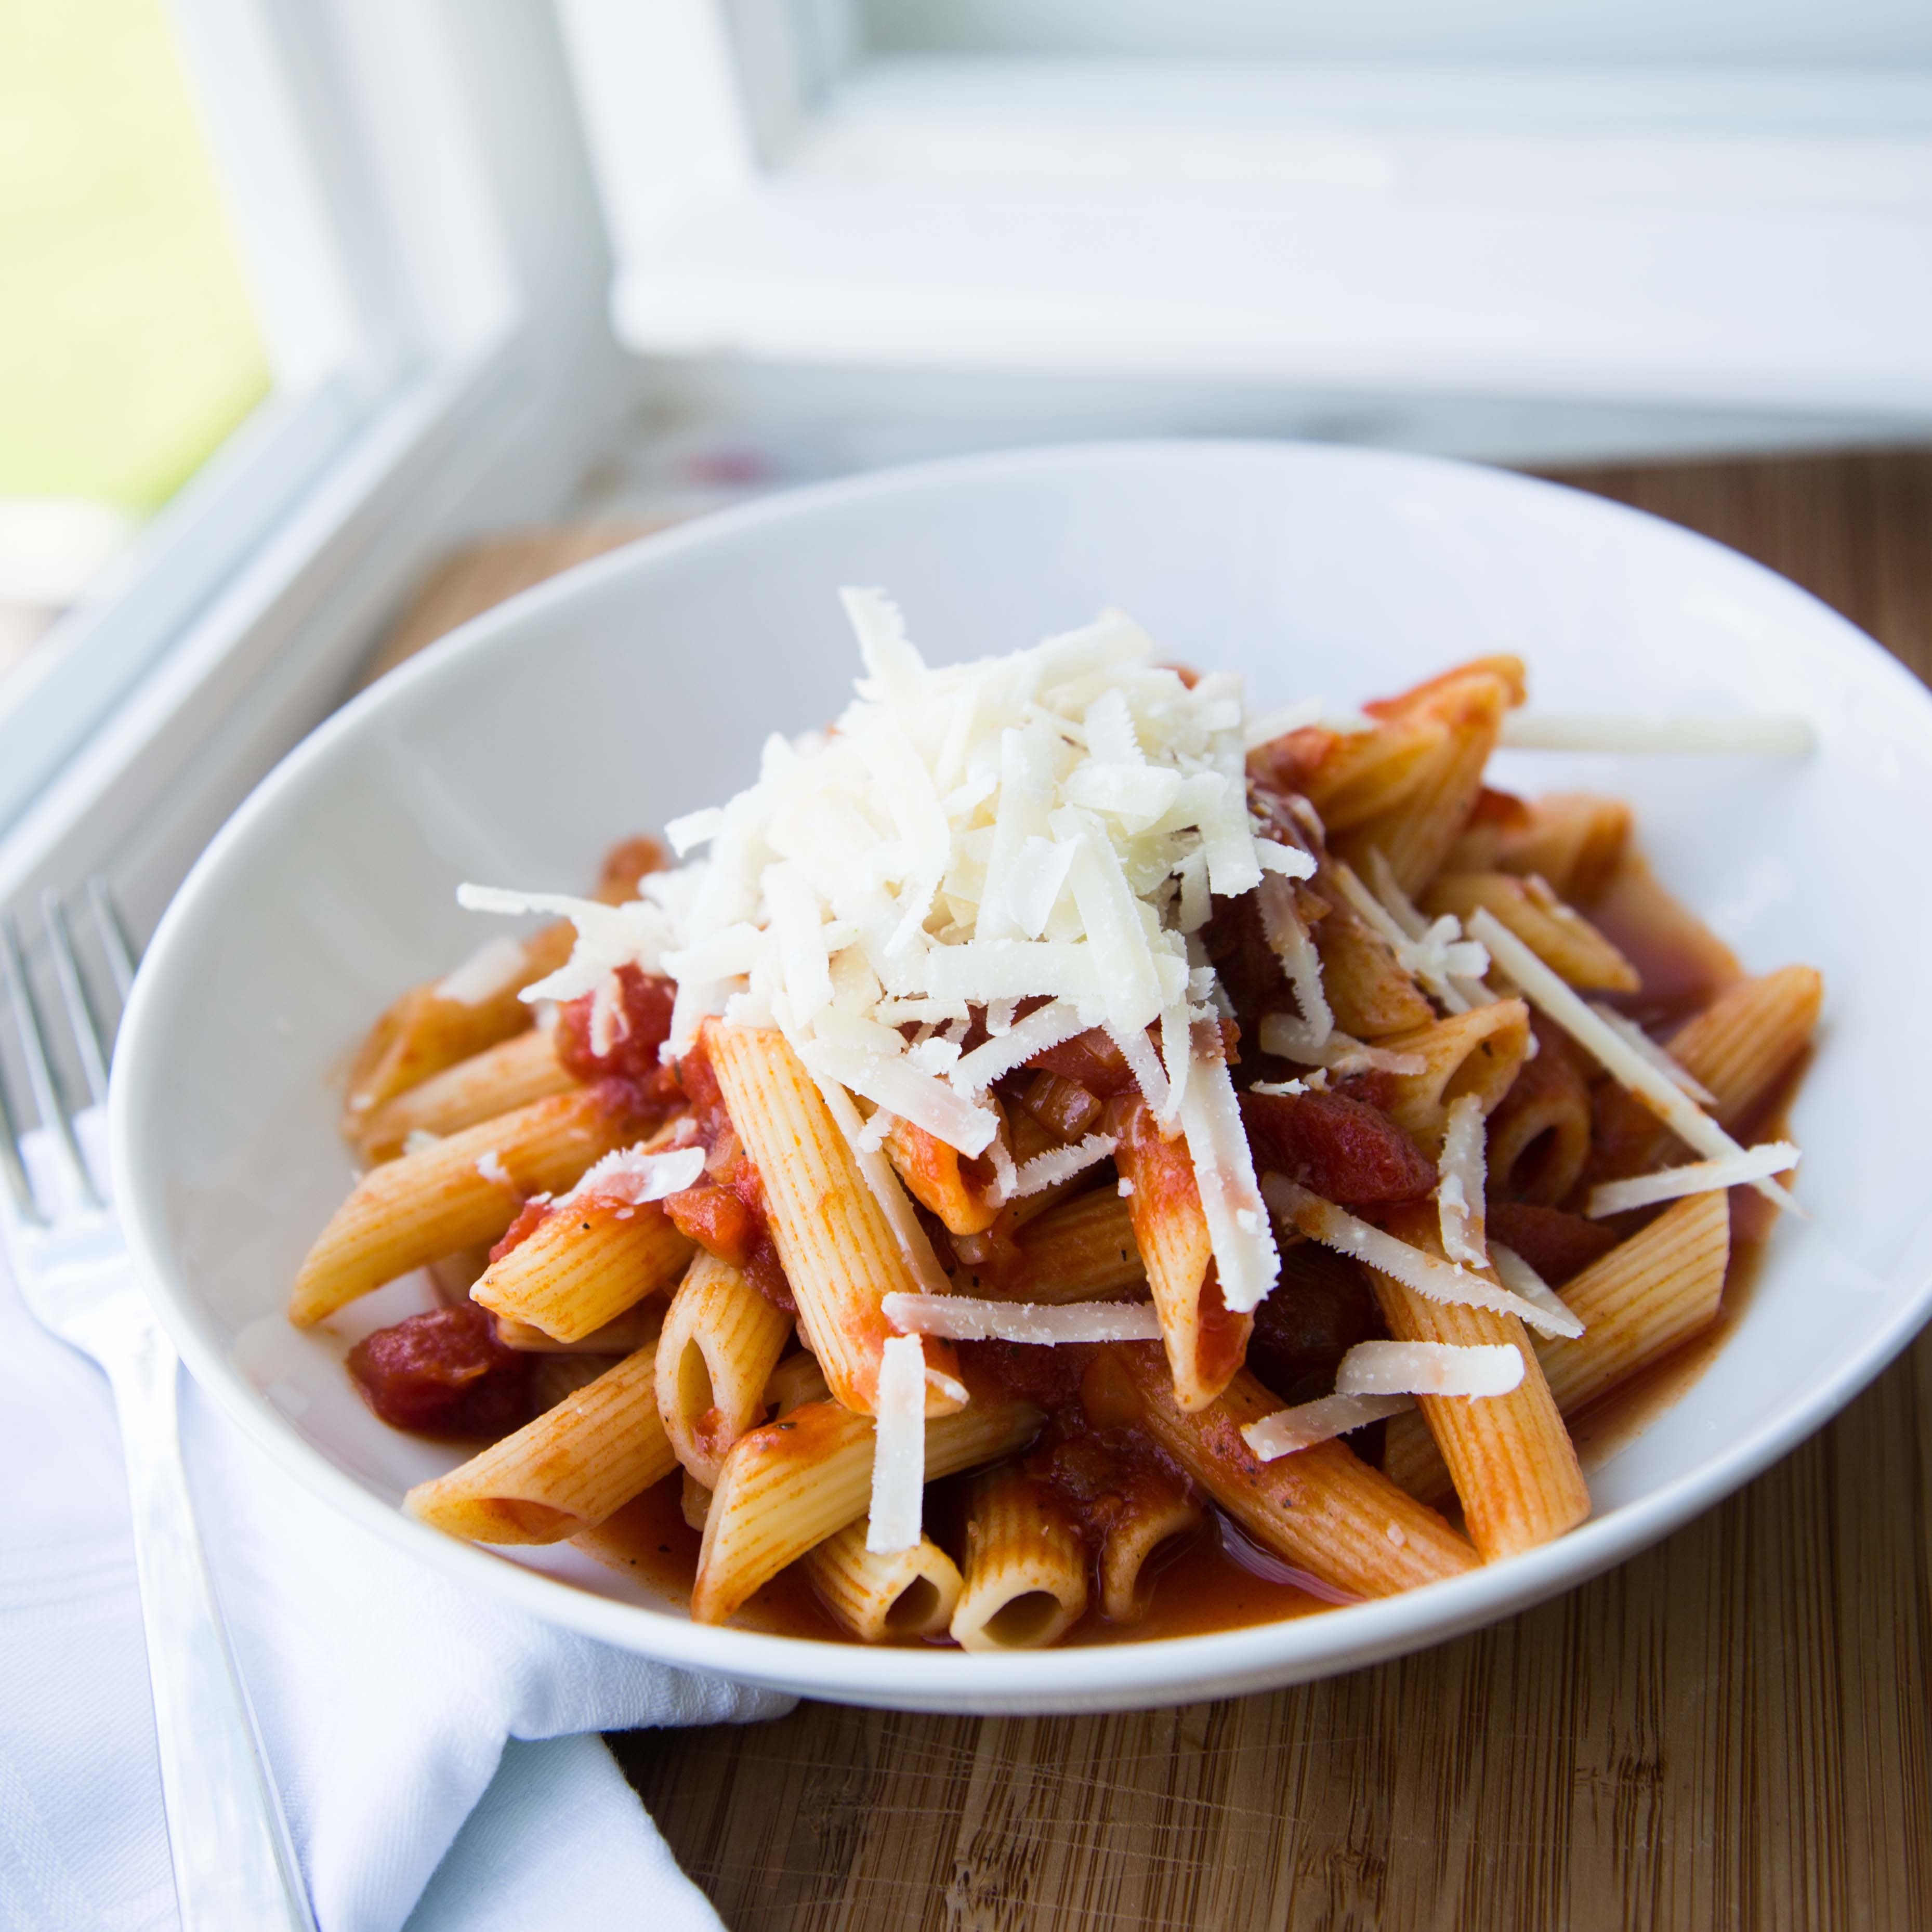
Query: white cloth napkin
{"x":435,"y":1750}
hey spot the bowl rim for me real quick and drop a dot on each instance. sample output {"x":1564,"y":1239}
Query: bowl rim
{"x":1125,"y":1673}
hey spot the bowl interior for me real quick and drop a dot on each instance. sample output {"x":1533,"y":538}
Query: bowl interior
{"x":641,"y":686}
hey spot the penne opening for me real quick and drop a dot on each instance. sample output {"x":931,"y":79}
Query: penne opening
{"x":694,"y":1392}
{"x":915,"y":1609}
{"x":1026,"y":1621}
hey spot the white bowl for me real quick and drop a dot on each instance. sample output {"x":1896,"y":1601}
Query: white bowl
{"x":640,"y":686}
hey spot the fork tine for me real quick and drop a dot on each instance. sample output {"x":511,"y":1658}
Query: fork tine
{"x":9,"y":1159}
{"x":113,"y":936}
{"x":87,"y":1039}
{"x":39,"y":1072}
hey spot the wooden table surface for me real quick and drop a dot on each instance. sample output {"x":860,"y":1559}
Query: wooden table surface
{"x":1733,"y":1730}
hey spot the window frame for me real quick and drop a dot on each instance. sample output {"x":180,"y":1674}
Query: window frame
{"x":414,"y":209}
{"x":1672,"y":238}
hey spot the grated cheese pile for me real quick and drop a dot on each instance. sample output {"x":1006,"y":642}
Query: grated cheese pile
{"x":1043,"y":827}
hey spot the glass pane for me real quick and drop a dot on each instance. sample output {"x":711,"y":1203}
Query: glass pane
{"x":128,"y":346}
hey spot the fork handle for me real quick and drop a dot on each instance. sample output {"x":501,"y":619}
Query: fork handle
{"x":234,"y":1867}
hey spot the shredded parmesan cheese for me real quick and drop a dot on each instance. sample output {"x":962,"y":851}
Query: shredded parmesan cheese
{"x":1289,"y":1430}
{"x":1697,"y":1176}
{"x":959,"y":1317}
{"x":489,"y":970}
{"x":1641,"y":1043}
{"x":1763,"y":737}
{"x":898,"y":1447}
{"x":1461,"y":1183}
{"x":489,"y":1165}
{"x":632,"y":1176}
{"x":1429,"y":1368}
{"x":1335,"y":1228}
{"x":1282,"y":1033}
{"x":1058,"y":1164}
{"x":1034,"y":840}
{"x":1517,"y":1276}
{"x":1664,"y":1097}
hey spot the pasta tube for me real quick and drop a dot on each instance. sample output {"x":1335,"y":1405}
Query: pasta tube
{"x":575,"y":1466}
{"x":1205,"y":1341}
{"x":838,"y":1248}
{"x":462,"y":1193}
{"x":1563,"y":939}
{"x":1415,"y":834}
{"x":1323,"y":1509}
{"x":584,"y":1265}
{"x":1158,"y":1513}
{"x":1371,"y":994}
{"x":1025,"y":1575}
{"x":937,"y":1177}
{"x":722,"y":1340}
{"x":1539,"y":1135}
{"x":1643,"y":1300}
{"x":894,"y":1598}
{"x":433,"y":1026}
{"x":501,"y":1078}
{"x":1510,"y":1457}
{"x":1477,"y":1052}
{"x":786,"y":1486}
{"x":1084,"y":1250}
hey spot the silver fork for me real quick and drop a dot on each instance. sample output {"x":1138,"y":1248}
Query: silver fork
{"x":234,"y":1869}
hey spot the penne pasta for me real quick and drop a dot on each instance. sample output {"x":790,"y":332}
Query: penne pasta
{"x":1539,"y":1135}
{"x":1742,"y":1044}
{"x":1362,"y":774}
{"x":898,"y":1597}
{"x":787,"y":1485}
{"x":583,"y":1265}
{"x":1025,"y":1573}
{"x":1158,"y":1515}
{"x":1205,"y":1341}
{"x":722,"y":1340}
{"x":568,"y":1470}
{"x":796,"y":1381}
{"x":623,"y":1335}
{"x":430,"y":1028}
{"x":839,"y":1251}
{"x":497,"y":1081}
{"x":1084,"y":1250}
{"x":941,"y":1179}
{"x":1415,"y":833}
{"x":1371,"y":994}
{"x":1573,"y":839}
{"x":1509,"y":1456}
{"x":1562,"y":938}
{"x":1479,"y":1052}
{"x":1324,"y":1509}
{"x":460,"y":1193}
{"x":1004,"y":1021}
{"x":1643,"y":1300}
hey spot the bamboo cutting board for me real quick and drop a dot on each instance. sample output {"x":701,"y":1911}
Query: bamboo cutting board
{"x":1732,"y":1730}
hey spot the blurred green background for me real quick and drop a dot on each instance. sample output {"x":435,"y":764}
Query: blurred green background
{"x":128,"y":348}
